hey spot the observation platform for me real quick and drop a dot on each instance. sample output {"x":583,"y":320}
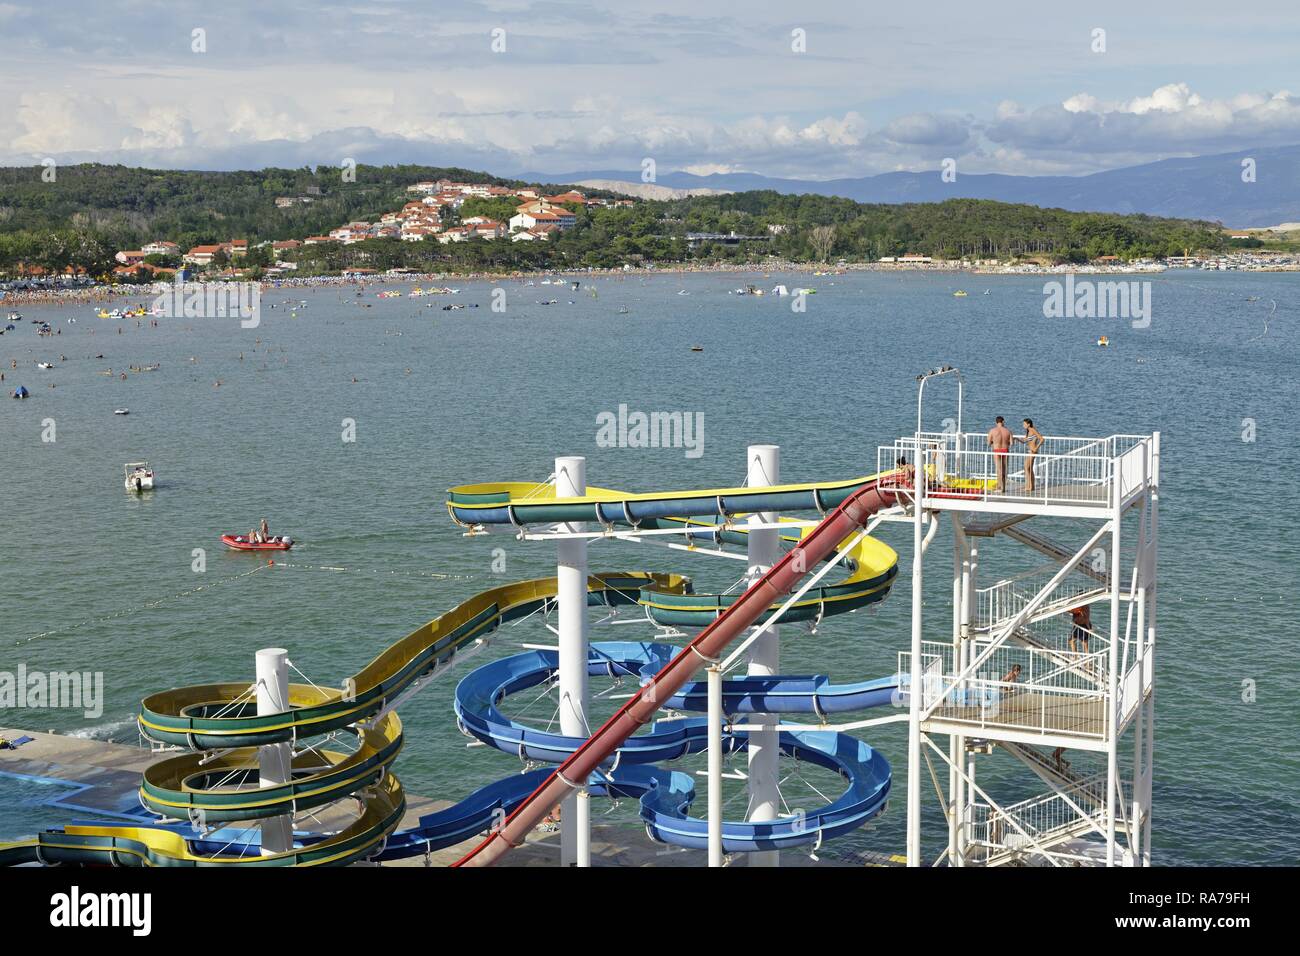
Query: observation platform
{"x":1065,"y":477}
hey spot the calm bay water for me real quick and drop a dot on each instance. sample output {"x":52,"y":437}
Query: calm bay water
{"x":442,"y":398}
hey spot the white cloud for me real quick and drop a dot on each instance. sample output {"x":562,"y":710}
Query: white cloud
{"x":56,"y":122}
{"x":156,"y":120}
{"x":1171,"y":98}
{"x":929,"y":130}
{"x":845,"y":131}
{"x":711,"y":169}
{"x":1172,"y":120}
{"x":1080,"y":103}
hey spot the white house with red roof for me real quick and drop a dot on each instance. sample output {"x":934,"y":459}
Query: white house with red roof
{"x":536,"y":234}
{"x":531,"y":219}
{"x":201,"y":255}
{"x":486,"y":228}
{"x":353,"y":232}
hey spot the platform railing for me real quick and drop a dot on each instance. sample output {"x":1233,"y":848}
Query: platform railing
{"x":1132,"y":467}
{"x":1129,"y":694}
{"x":1057,"y":479}
{"x":1040,"y":669}
{"x":1048,"y":818}
{"x":1057,"y":638}
{"x":1019,"y":688}
{"x":1001,"y":601}
{"x":1066,"y":470}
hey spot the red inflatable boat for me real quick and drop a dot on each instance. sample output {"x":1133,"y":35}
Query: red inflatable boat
{"x":240,"y":542}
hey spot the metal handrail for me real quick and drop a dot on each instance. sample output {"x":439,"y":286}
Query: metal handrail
{"x":1074,"y":470}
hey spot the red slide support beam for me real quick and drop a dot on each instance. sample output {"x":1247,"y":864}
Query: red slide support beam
{"x":780,"y":580}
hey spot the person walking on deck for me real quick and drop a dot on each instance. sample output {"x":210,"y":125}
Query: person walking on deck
{"x":999,"y":439}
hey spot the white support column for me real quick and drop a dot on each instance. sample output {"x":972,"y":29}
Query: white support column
{"x":968,"y":788}
{"x":970,"y":577}
{"x":274,"y":761}
{"x":916,"y":680}
{"x":571,"y":598}
{"x":1153,"y":554}
{"x":1137,"y":810}
{"x":715,"y":717}
{"x":1150,"y":772}
{"x":959,"y":564}
{"x":582,"y":802}
{"x":764,"y":468}
{"x":1112,"y":682}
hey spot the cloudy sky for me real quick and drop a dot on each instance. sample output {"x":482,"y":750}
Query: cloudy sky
{"x":694,"y":84}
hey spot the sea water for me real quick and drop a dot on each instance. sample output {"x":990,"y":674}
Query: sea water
{"x":95,"y":579}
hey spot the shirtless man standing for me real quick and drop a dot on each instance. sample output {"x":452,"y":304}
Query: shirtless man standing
{"x":1032,"y":440}
{"x":1000,"y":441}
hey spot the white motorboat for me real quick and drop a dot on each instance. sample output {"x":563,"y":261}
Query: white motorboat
{"x":139,"y":476}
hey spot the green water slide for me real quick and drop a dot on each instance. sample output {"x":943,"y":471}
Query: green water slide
{"x":216,"y":779}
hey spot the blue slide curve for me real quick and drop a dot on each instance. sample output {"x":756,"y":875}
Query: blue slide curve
{"x":665,"y":796}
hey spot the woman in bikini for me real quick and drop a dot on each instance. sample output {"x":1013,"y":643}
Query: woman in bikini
{"x":1032,"y":440}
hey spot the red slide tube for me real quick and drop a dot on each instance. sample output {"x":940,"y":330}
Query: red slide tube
{"x":780,"y":580}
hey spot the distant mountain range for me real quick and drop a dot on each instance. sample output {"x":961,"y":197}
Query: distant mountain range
{"x":648,"y":190}
{"x":1201,"y":187}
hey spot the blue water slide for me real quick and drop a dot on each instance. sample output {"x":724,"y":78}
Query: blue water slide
{"x":666,"y":799}
{"x":480,"y":693}
{"x":867,"y":772}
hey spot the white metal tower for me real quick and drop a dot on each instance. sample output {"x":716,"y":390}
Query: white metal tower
{"x":1041,"y":665}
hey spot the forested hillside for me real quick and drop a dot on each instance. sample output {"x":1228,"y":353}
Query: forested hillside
{"x":89,"y":212}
